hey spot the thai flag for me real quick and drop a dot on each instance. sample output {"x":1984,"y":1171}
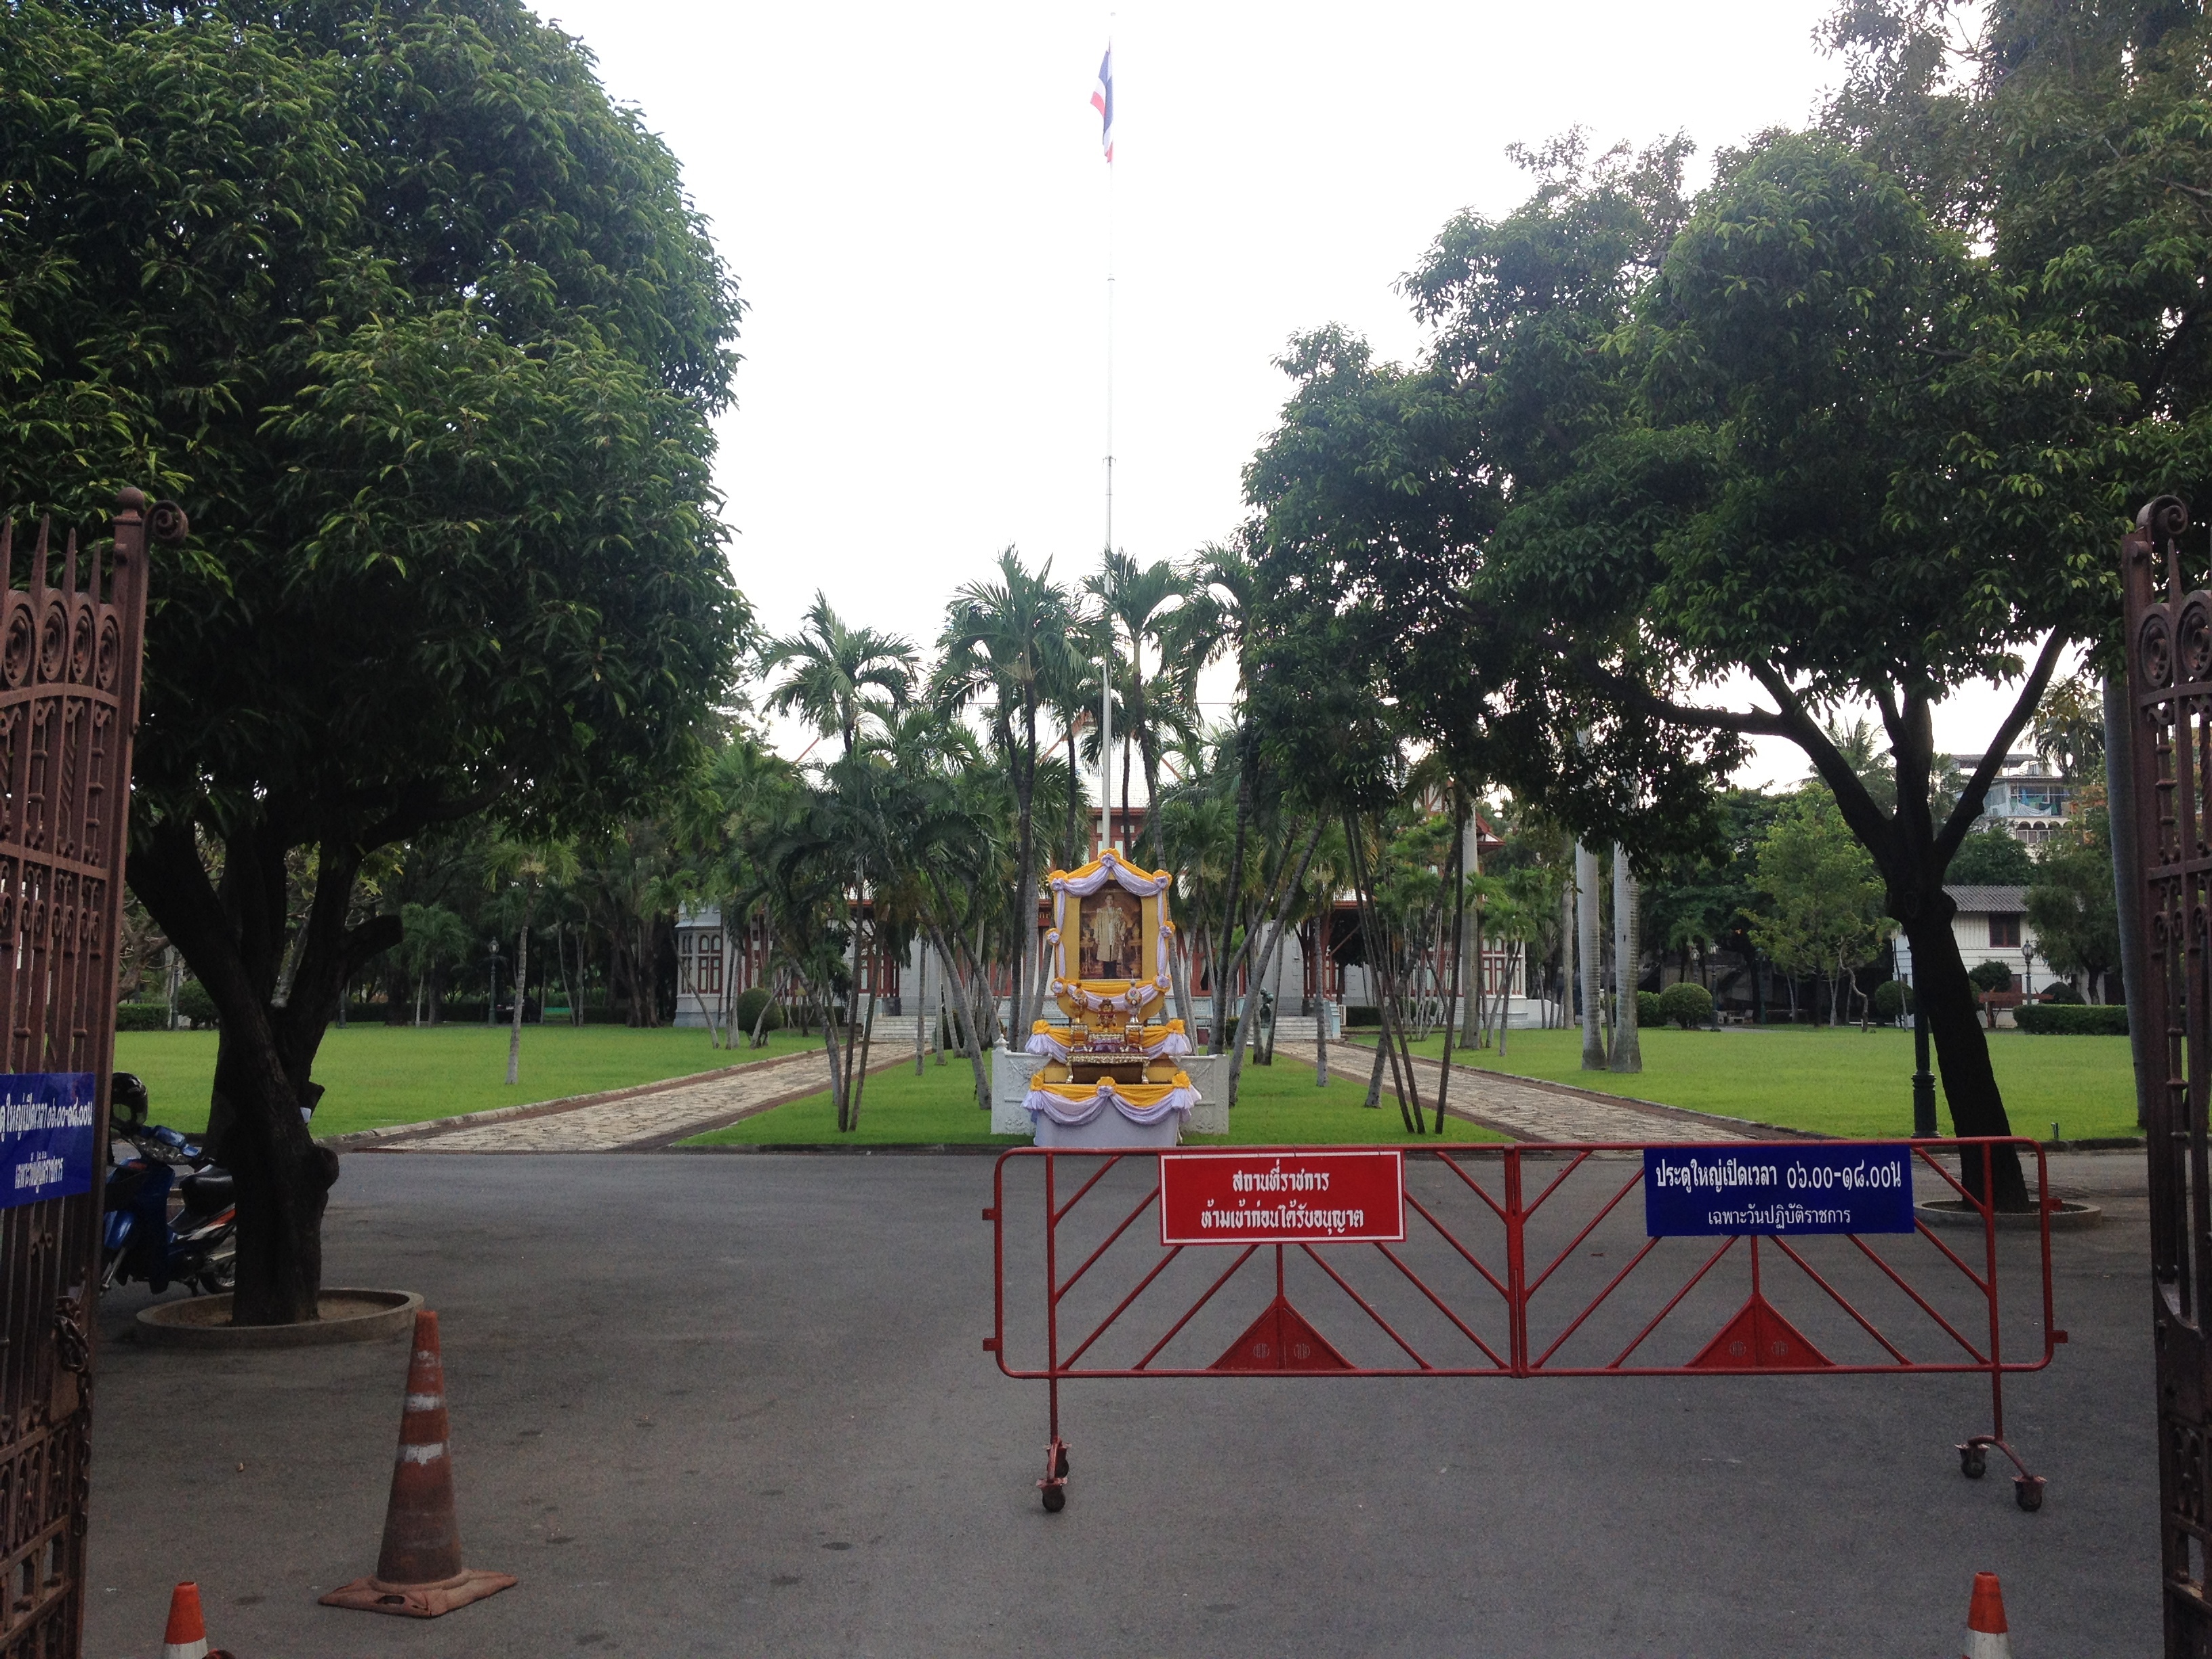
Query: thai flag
{"x":1102,"y":99}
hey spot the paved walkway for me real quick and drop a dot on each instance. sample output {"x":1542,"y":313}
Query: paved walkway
{"x":639,"y":1120}
{"x":1530,"y":1110}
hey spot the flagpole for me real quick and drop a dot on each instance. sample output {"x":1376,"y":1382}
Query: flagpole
{"x":1108,"y":664}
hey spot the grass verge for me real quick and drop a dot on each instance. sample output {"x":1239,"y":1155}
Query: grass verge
{"x":1842,"y":1082}
{"x":1277,"y":1104}
{"x":375,"y":1077}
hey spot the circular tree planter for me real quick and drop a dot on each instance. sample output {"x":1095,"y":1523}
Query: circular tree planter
{"x":348,"y":1316}
{"x":2069,"y":1215}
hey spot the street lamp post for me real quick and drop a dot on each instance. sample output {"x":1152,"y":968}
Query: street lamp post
{"x":1923,"y":1080}
{"x":491,"y":1003}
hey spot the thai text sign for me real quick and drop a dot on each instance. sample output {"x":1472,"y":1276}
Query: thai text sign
{"x":45,"y":1135}
{"x":1710,"y":1190}
{"x":1282,"y":1198}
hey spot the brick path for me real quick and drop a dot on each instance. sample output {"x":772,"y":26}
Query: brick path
{"x":638,"y":1121}
{"x":1530,"y":1110}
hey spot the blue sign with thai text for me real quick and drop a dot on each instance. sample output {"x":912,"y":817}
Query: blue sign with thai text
{"x":1705,"y":1191}
{"x":45,"y":1135}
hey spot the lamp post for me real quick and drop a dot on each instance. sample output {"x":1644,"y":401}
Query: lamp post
{"x":1923,"y":1080}
{"x":491,"y":1003}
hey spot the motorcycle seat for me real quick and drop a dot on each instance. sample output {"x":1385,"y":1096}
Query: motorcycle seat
{"x":207,"y":1191}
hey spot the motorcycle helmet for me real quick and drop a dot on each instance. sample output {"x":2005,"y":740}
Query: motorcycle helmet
{"x":126,"y":1098}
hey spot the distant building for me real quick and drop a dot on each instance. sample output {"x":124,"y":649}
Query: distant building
{"x":1990,"y":925}
{"x":2026,"y":800}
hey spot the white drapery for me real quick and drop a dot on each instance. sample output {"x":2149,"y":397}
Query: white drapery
{"x":1169,"y":1044}
{"x":1074,"y":1114}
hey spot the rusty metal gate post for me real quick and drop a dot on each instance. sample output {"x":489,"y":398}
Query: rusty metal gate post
{"x":69,"y":643}
{"x":2169,"y":667}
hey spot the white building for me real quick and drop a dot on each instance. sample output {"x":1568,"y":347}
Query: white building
{"x":2027,"y":799}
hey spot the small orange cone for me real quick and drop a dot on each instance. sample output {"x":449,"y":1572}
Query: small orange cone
{"x":419,"y":1573}
{"x":187,"y":1636}
{"x":1987,"y":1637}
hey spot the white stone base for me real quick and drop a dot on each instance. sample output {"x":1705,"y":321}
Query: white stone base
{"x":1109,"y":1129}
{"x":1209,"y":1075}
{"x":1010,"y":1086}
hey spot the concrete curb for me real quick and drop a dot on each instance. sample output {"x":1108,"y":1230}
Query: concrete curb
{"x":193,"y":1322}
{"x":2071,"y":1215}
{"x":360,"y":1139}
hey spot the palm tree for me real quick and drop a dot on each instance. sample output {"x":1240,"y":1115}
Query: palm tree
{"x":1071,"y":696}
{"x":525,"y":869}
{"x":1003,"y":641}
{"x":1143,"y":599}
{"x":832,"y":668}
{"x":432,"y":937}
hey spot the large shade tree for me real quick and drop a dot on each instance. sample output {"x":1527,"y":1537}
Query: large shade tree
{"x":423,"y":333}
{"x":1819,"y":453}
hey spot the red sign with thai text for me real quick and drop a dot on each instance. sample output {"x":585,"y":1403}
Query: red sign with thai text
{"x":1330,"y":1197}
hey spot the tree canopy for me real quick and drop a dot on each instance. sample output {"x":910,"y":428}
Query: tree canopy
{"x":421,"y":330}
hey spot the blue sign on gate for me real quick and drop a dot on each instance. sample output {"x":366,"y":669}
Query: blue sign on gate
{"x":1693,"y":1191}
{"x":45,"y":1135}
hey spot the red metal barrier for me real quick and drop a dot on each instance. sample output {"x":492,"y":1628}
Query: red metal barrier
{"x":1479,"y":1261}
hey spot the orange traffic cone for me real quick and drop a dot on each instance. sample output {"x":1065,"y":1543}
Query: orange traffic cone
{"x":187,"y":1636}
{"x":1987,"y":1637}
{"x":419,"y":1573}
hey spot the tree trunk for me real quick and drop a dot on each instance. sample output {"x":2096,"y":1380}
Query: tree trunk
{"x":521,"y":995}
{"x":1248,"y":1032}
{"x":1470,"y":961}
{"x":234,"y":939}
{"x":1025,"y":880}
{"x":1628,"y":963}
{"x":1460,"y":934}
{"x":1970,"y":1086}
{"x":967,"y":1018}
{"x":1594,"y":1055}
{"x":1244,"y":764}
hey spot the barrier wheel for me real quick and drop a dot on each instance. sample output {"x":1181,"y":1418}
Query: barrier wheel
{"x":2027,"y":1492}
{"x":1059,"y":1466}
{"x":1974,"y":1464}
{"x":1055,"y":1499}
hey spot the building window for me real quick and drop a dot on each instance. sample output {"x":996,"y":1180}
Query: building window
{"x":2004,"y":930}
{"x":707,"y":975}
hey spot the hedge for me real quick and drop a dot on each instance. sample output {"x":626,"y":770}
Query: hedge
{"x":1365,"y":1016}
{"x":2066,"y":1019}
{"x":141,"y":1016}
{"x":748,"y":1010}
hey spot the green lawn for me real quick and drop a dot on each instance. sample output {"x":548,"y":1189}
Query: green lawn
{"x":378,"y":1075}
{"x":1843,"y":1082}
{"x":1276,"y":1104}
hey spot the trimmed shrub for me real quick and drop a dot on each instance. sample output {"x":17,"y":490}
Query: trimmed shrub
{"x":1990,"y":975}
{"x":2063,"y":992}
{"x":1363,"y":1016}
{"x":748,"y":1010}
{"x":194,"y":1003}
{"x":141,"y":1016}
{"x":2069,"y":1019}
{"x":1689,"y":1004}
{"x":1891,"y":1001}
{"x":1649,"y":1010}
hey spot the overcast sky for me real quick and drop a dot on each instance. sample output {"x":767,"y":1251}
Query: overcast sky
{"x":914,"y":202}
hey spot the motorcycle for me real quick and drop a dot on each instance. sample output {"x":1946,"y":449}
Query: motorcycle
{"x":171,"y":1215}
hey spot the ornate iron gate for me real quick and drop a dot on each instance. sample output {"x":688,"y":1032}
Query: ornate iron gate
{"x":2169,"y":652}
{"x":69,"y":640}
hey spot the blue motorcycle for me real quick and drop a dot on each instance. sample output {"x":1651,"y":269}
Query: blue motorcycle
{"x":172,"y":1218}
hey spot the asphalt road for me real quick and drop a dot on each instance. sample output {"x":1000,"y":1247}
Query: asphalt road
{"x":738,"y":1406}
